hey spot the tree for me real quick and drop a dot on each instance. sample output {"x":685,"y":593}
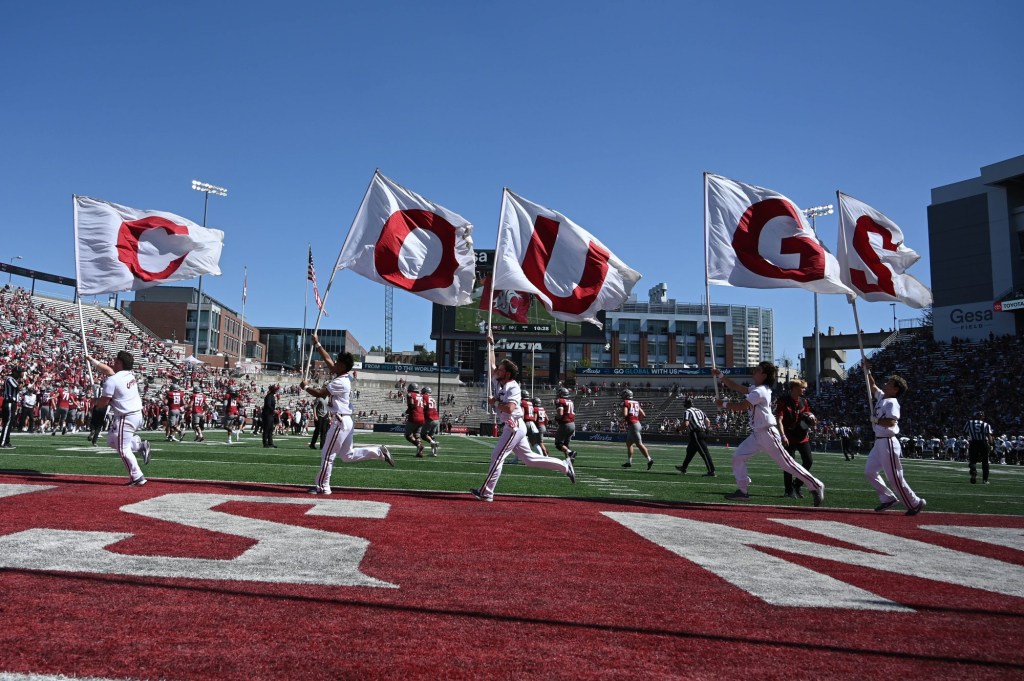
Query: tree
{"x":926,"y":316}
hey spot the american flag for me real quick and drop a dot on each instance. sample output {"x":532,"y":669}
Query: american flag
{"x":311,"y":275}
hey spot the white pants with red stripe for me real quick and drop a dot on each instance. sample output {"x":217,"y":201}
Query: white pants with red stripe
{"x":769,"y":442}
{"x":885,"y":456}
{"x":123,"y":440}
{"x":339,"y":444}
{"x":513,"y":440}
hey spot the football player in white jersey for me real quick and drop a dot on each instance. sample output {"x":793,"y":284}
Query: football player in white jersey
{"x":121,"y":393}
{"x":339,"y":435}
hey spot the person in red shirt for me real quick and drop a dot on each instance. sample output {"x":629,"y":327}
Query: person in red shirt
{"x":431,"y":420}
{"x":565,"y":417}
{"x":175,"y":401}
{"x":542,"y":424}
{"x":632,"y":414}
{"x":414,"y":417}
{"x":198,"y":405}
{"x":793,"y":412}
{"x":231,"y":414}
{"x":63,"y":398}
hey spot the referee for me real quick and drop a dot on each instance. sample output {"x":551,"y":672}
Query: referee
{"x":696,"y":423}
{"x":980,"y":434}
{"x":12,"y":384}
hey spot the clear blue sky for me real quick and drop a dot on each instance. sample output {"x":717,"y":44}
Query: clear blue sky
{"x":607,"y":112}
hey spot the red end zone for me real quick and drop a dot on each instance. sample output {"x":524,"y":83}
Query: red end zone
{"x":234,"y":581}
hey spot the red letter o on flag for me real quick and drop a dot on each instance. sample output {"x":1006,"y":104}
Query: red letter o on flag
{"x":388,"y":247}
{"x":128,"y":246}
{"x":748,"y":235}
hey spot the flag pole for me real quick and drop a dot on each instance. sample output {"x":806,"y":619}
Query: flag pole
{"x":330,"y":282}
{"x":305,"y":304}
{"x":490,"y":299}
{"x":241,"y":331}
{"x":78,"y":297}
{"x":707,"y":289}
{"x":853,"y":304}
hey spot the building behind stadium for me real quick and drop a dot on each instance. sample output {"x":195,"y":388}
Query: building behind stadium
{"x":976,"y":242}
{"x":659,"y":340}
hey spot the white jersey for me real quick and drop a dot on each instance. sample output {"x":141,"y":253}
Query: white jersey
{"x":886,"y":408}
{"x":761,"y":416}
{"x":123,"y":392}
{"x":510,"y":393}
{"x":340,"y":389}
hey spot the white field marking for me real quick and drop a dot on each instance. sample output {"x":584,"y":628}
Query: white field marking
{"x":282,"y":554}
{"x":10,"y":490}
{"x":1010,"y":537}
{"x":731,"y":553}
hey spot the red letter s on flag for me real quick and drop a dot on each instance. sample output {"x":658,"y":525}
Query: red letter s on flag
{"x":862,"y":244}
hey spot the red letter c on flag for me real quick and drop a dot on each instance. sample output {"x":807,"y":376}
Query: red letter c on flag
{"x":128,"y":246}
{"x":748,"y":234}
{"x":867,"y":253}
{"x":388,"y":247}
{"x":538,"y":255}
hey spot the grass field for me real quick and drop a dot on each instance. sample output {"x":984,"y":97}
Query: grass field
{"x":463,"y":462}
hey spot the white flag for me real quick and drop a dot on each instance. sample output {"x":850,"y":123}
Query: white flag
{"x":402,"y":239}
{"x":757,"y":238}
{"x":873,"y":258}
{"x":123,"y":249}
{"x":541,"y":251}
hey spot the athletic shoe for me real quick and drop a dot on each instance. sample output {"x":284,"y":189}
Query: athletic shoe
{"x":570,"y":471}
{"x":419,"y":452}
{"x":790,"y":495}
{"x":738,"y":495}
{"x":650,"y":462}
{"x":985,"y":482}
{"x":326,"y":490}
{"x":313,"y":490}
{"x":145,"y":451}
{"x":480,"y":496}
{"x":433,"y":449}
{"x":974,"y":480}
{"x":681,"y":469}
{"x":797,"y":493}
{"x":819,"y":497}
{"x":709,"y":474}
{"x":920,"y":507}
{"x":886,"y":504}
{"x":386,"y":453}
{"x":312,"y":446}
{"x":572,"y":454}
{"x":625,"y":465}
{"x":137,"y":482}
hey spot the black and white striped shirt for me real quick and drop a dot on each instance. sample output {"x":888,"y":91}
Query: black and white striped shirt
{"x":10,"y":390}
{"x":978,"y":431}
{"x":697,"y":420}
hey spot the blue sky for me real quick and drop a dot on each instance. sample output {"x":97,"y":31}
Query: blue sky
{"x":607,"y":112}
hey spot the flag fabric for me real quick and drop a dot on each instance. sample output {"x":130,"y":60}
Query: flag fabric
{"x":124,"y":249}
{"x":311,"y":275}
{"x":245,"y":284}
{"x":541,"y":251}
{"x":873,"y":259}
{"x":405,"y":240}
{"x":514,"y":305}
{"x":758,"y":238}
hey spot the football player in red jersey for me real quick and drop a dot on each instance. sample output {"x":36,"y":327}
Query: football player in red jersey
{"x":175,"y":401}
{"x":633,"y":413}
{"x":565,"y":417}
{"x":414,"y":417}
{"x":542,"y":424}
{"x":231,"y":414}
{"x":63,"y":398}
{"x":431,"y":420}
{"x":198,"y":405}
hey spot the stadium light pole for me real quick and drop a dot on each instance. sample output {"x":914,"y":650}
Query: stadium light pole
{"x":207,"y":189}
{"x":812,"y":213}
{"x":11,"y":263}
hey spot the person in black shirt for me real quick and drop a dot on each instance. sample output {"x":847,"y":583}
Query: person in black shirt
{"x":793,"y":412}
{"x":269,"y":406}
{"x":12,"y":384}
{"x":981,"y":439}
{"x":319,"y":423}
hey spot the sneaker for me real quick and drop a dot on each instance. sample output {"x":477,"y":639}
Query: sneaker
{"x":819,"y":497}
{"x":419,"y":452}
{"x":797,"y":493}
{"x":985,"y":482}
{"x":386,"y":453}
{"x":974,"y":480}
{"x":572,"y":454}
{"x":650,"y":462}
{"x":480,"y":496}
{"x":920,"y":507}
{"x":313,"y":490}
{"x":570,"y":471}
{"x":886,"y":505}
{"x":326,"y":490}
{"x":625,"y":465}
{"x":790,"y":495}
{"x":433,"y":449}
{"x":681,"y":469}
{"x":709,"y":474}
{"x":738,"y":495}
{"x":137,"y":482}
{"x":146,"y":453}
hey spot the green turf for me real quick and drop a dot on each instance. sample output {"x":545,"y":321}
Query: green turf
{"x":463,"y":462}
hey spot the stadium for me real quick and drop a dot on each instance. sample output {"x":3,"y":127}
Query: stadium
{"x":222,"y":567}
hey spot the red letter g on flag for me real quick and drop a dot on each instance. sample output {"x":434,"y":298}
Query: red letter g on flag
{"x":748,"y":235}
